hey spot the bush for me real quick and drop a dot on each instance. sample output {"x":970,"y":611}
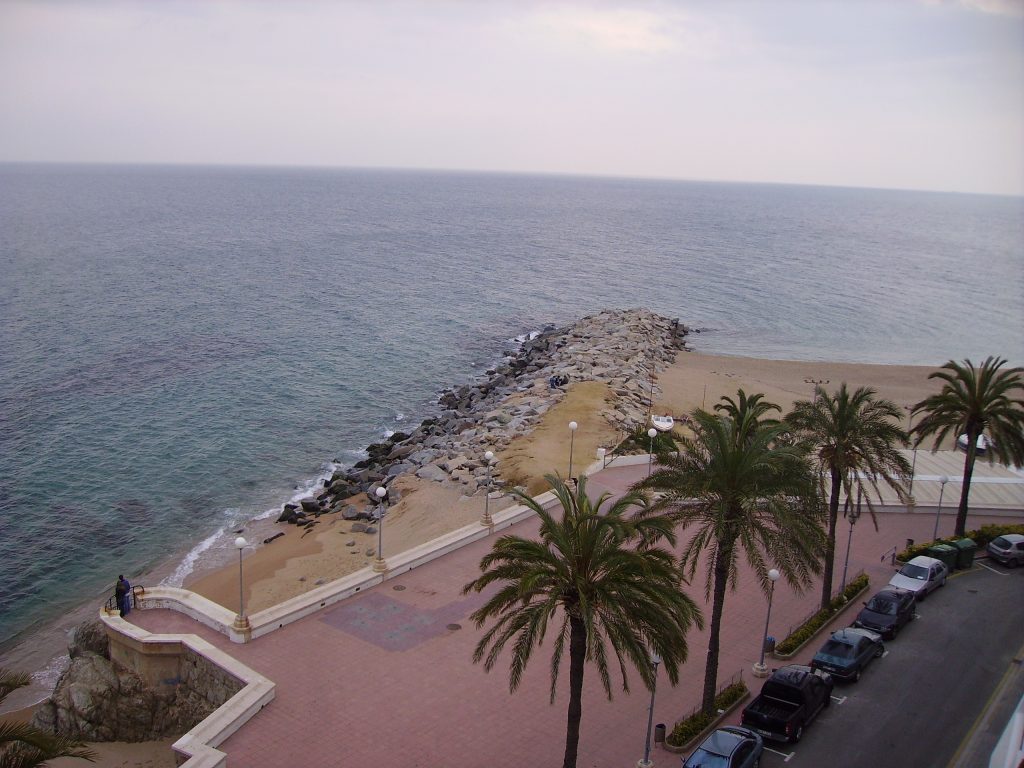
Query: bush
{"x":980,"y":536}
{"x":639,"y":442}
{"x":689,"y":728}
{"x":806,"y":631}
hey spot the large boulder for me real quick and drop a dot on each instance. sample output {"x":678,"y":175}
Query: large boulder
{"x":96,"y":700}
{"x":90,"y":637}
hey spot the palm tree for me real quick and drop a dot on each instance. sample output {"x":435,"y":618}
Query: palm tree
{"x":745,"y":492}
{"x":971,"y":401}
{"x":598,"y":577}
{"x":855,"y":436}
{"x":24,"y":746}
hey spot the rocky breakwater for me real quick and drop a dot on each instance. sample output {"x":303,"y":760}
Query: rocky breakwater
{"x":622,"y":348}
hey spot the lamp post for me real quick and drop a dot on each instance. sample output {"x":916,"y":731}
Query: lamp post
{"x":379,"y":565}
{"x":852,"y":515}
{"x":913,"y":464}
{"x":602,"y":454}
{"x":241,"y":620}
{"x":646,"y":762}
{"x":488,"y":458}
{"x":760,"y":669}
{"x":572,"y":439}
{"x":651,"y":433}
{"x":942,"y":489}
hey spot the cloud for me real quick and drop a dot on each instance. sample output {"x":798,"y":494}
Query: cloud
{"x":991,"y":7}
{"x":617,"y":30}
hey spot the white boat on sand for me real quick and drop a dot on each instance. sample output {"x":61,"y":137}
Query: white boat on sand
{"x":662,"y":423}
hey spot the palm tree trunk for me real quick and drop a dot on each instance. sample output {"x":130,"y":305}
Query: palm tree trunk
{"x":577,"y":657}
{"x":721,"y":576}
{"x":830,"y":543}
{"x":965,"y":489}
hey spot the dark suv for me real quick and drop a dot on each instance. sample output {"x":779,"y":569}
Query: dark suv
{"x":887,"y":612}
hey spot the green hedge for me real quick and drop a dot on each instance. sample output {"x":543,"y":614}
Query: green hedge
{"x":639,"y":442}
{"x":981,"y":536}
{"x":690,"y":728}
{"x":806,"y":630}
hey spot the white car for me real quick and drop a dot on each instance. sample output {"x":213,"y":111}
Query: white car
{"x":920,"y":576}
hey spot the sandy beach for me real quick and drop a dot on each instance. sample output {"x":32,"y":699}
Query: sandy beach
{"x":301,"y":560}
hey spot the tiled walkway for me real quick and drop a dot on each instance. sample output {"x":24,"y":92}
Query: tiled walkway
{"x":386,"y":678}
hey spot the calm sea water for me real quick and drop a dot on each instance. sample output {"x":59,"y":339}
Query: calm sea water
{"x":185,"y":348}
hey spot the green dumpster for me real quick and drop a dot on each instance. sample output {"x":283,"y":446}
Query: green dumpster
{"x":965,"y":549}
{"x":945,"y":553}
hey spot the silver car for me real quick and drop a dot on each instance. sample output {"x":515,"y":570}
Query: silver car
{"x":1008,"y":549}
{"x":922,"y":575}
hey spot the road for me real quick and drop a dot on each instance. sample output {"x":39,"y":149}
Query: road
{"x":914,"y":707}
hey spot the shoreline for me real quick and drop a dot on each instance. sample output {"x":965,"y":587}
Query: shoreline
{"x":302,"y":557}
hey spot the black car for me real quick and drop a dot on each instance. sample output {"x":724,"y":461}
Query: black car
{"x":887,"y":612}
{"x":848,"y":652}
{"x":728,"y":747}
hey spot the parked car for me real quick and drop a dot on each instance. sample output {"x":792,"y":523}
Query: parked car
{"x":1008,"y":549}
{"x":728,"y":747}
{"x":847,"y":653}
{"x":790,"y":699}
{"x":887,"y":612}
{"x":922,"y":575}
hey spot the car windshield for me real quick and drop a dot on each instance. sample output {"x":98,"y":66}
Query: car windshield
{"x":914,"y":572}
{"x":1002,"y":543}
{"x":882,"y":605}
{"x":838,"y":650}
{"x":702,"y":759}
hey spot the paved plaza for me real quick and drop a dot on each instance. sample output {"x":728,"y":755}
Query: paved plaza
{"x":386,"y":678}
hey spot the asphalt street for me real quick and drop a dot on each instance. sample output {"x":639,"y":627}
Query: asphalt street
{"x":915,"y":707}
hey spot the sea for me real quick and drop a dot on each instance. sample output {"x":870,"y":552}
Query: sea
{"x":185,"y":348}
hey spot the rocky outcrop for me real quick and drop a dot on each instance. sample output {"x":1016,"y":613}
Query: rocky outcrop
{"x":623,"y":348}
{"x":96,"y":700}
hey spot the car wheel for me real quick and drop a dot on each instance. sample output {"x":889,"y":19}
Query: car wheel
{"x":856,"y":678}
{"x":879,"y":651}
{"x":921,"y":597}
{"x":1012,"y":563}
{"x":895,"y":631}
{"x":943,"y":581}
{"x":798,"y":734}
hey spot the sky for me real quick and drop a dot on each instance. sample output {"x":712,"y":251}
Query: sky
{"x":909,"y":94}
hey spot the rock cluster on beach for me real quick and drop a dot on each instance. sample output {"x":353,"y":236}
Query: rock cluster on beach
{"x":623,"y":348}
{"x":98,"y":700}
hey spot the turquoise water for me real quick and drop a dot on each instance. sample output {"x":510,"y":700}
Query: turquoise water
{"x":185,"y":348}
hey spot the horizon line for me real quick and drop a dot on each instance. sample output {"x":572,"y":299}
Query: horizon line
{"x":494,"y":172}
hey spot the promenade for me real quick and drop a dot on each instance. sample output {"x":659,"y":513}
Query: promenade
{"x":385,"y":678}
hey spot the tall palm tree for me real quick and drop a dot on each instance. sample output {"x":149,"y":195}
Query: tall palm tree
{"x":24,"y":746}
{"x":744,"y":492}
{"x":971,"y":401}
{"x":855,"y":436}
{"x":599,"y":578}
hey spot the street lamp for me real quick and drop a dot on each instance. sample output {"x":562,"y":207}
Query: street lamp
{"x":488,"y":458}
{"x":913,"y":464}
{"x":815,"y":383}
{"x":241,"y":620}
{"x":651,"y":433}
{"x":942,"y":489}
{"x":572,"y":439}
{"x":760,"y":669}
{"x":646,"y":762}
{"x":852,"y":515}
{"x":602,"y":454}
{"x":379,"y":565}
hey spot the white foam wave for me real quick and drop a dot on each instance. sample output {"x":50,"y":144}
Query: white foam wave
{"x":188,"y":563}
{"x":48,"y":676}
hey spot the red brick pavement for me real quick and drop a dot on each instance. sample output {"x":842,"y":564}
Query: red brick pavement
{"x":385,"y":679}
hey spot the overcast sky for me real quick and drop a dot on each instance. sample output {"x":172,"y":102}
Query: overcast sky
{"x":921,"y":94}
